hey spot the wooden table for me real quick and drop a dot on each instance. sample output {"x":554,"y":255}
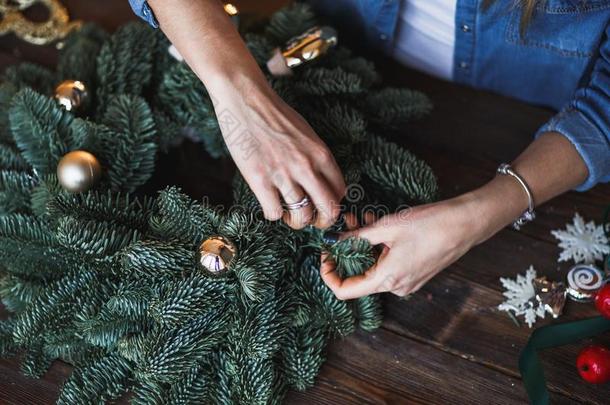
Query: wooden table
{"x":448,"y":343}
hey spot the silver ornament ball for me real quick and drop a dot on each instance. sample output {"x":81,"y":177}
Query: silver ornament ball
{"x":78,"y":171}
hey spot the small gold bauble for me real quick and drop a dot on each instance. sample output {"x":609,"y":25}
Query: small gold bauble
{"x":78,"y":171}
{"x":299,"y":50}
{"x":71,"y":94}
{"x":216,"y":254}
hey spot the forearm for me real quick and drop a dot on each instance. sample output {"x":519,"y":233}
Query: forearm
{"x":550,"y":166}
{"x":209,"y":42}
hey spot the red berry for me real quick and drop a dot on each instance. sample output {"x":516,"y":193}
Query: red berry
{"x":602,"y":301}
{"x":593,"y":364}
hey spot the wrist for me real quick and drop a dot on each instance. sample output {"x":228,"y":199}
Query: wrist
{"x":493,"y":206}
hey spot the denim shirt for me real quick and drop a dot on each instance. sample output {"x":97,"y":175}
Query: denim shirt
{"x":562,"y":60}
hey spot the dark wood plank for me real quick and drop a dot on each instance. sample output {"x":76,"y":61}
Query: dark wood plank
{"x":16,"y":389}
{"x":458,"y":316}
{"x":411,"y":372}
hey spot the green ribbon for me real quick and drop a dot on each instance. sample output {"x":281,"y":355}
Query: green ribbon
{"x":552,"y":336}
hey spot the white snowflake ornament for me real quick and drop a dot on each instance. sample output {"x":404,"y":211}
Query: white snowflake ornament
{"x":521,"y":297}
{"x":583,"y":243}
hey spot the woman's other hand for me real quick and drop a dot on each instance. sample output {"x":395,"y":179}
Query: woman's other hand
{"x":277,"y":152}
{"x":279,"y":155}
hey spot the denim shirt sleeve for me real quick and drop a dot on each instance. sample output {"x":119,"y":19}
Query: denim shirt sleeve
{"x":585,"y":121}
{"x":143,"y":10}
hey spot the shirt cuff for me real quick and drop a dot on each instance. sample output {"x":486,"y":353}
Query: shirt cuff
{"x":143,"y":10}
{"x":589,"y":141}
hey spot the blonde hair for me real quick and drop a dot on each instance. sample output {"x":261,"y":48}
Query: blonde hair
{"x":528,"y":7}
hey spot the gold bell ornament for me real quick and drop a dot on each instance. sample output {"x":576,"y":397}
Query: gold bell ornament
{"x":301,"y":49}
{"x":71,"y":94}
{"x":78,"y":171}
{"x":216,"y":254}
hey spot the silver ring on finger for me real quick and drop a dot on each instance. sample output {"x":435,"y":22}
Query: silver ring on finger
{"x":304,"y":202}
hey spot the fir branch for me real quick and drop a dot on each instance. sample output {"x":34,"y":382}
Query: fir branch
{"x":117,"y":208}
{"x":124,"y":64}
{"x":27,"y":74}
{"x":368,"y":312}
{"x":290,"y":22}
{"x":52,"y":308}
{"x":179,"y":301}
{"x":182,"y":219}
{"x":36,"y":361}
{"x":322,"y":81}
{"x":393,"y":108}
{"x":18,"y":292}
{"x":103,"y":380}
{"x":153,"y":258}
{"x":130,"y":145}
{"x":303,"y":355}
{"x":179,"y":349}
{"x":194,"y":387}
{"x":396,"y":175}
{"x":322,"y":303}
{"x":42,"y":130}
{"x":78,"y":56}
{"x":94,"y":238}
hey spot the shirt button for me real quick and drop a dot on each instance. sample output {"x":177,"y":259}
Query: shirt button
{"x":464,"y":65}
{"x":383,"y":37}
{"x":466,"y":28}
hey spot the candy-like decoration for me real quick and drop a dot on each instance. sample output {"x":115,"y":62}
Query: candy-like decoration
{"x":584,"y":281}
{"x":71,"y":94}
{"x":299,"y":50}
{"x":78,"y":171}
{"x":216,"y":254}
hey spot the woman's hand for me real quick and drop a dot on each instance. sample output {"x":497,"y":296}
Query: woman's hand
{"x":279,"y":155}
{"x":417,"y":244}
{"x":276,"y":151}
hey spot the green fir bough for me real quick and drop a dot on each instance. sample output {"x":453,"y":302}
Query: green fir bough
{"x":108,"y":279}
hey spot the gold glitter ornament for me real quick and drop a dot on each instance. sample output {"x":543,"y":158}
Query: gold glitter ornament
{"x":57,"y":25}
{"x":78,"y":171}
{"x":216,"y":254}
{"x":71,"y":94}
{"x":301,"y":49}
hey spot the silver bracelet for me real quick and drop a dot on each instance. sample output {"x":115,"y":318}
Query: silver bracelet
{"x":529,"y":214}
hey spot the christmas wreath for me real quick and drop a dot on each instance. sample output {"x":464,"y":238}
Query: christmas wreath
{"x":154,"y":292}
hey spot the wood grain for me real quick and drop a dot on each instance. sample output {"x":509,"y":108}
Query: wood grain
{"x":447,"y":344}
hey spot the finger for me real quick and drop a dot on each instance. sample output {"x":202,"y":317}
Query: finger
{"x":376,"y":233}
{"x":267,"y":195}
{"x":296,"y":218}
{"x":332,"y":173}
{"x":351,"y":287}
{"x":369,"y":218}
{"x":351,"y":222}
{"x":327,"y":167}
{"x":327,"y":206}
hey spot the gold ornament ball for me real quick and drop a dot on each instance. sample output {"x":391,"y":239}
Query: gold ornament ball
{"x":78,"y":171}
{"x":71,"y":94}
{"x":216,"y":254}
